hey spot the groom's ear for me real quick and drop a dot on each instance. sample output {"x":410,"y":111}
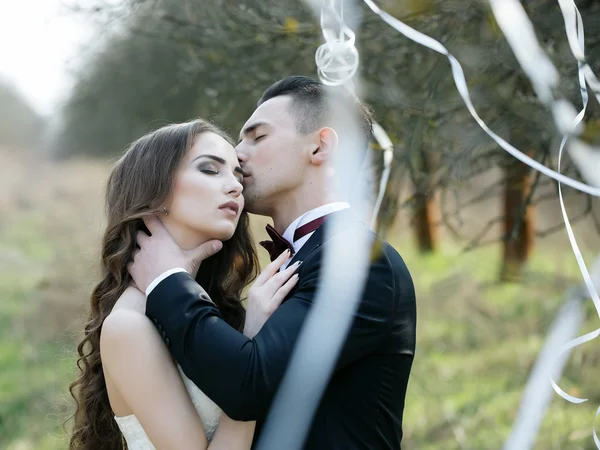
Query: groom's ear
{"x":327,"y":141}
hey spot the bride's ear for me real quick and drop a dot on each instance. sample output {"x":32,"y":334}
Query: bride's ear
{"x":327,"y":143}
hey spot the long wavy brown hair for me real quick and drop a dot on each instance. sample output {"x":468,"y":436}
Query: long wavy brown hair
{"x":138,"y":185}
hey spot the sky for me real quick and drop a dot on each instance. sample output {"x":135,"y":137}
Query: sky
{"x":38,"y":41}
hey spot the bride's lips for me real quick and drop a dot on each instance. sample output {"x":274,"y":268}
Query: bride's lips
{"x":230,"y":207}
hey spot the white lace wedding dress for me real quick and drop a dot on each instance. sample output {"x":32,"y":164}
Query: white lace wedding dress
{"x":210,"y":413}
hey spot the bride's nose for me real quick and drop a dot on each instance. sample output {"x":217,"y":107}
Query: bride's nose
{"x":233,"y":186}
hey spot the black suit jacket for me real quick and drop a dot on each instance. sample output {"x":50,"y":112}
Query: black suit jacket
{"x":363,"y":403}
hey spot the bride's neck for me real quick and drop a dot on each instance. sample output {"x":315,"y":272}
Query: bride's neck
{"x":184,"y":237}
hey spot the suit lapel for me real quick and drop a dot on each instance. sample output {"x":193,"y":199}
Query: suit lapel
{"x":319,"y":237}
{"x":313,"y":243}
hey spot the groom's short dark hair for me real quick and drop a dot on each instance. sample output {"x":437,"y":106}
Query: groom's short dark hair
{"x":309,"y":104}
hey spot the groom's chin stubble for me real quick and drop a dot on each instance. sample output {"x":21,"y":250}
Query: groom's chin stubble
{"x":253,"y":207}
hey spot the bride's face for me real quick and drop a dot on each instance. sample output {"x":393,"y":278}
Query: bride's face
{"x":206,"y":201}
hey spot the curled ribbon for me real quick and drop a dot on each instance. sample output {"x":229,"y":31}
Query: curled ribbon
{"x":574,"y":30}
{"x":386,"y":145}
{"x":337,"y":59}
{"x":337,"y":62}
{"x":516,"y":26}
{"x":461,"y":86}
{"x":575,"y":35}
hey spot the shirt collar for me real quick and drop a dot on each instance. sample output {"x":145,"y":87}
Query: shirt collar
{"x":313,"y":214}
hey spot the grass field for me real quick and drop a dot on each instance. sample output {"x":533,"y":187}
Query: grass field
{"x":477,"y":339}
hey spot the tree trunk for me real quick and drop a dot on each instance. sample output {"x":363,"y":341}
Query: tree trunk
{"x":428,"y":215}
{"x":519,"y":221}
{"x":427,"y":222}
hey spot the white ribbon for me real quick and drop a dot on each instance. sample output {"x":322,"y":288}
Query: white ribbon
{"x":337,"y":59}
{"x":573,"y":26}
{"x":537,"y":394}
{"x":461,"y":86}
{"x":337,"y":62}
{"x":385,"y":143}
{"x":520,"y":34}
{"x":575,"y":35}
{"x":344,"y":270}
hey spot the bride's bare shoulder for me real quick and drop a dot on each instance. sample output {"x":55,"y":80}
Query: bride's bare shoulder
{"x":127,"y":322}
{"x":131,"y":299}
{"x":129,"y":344}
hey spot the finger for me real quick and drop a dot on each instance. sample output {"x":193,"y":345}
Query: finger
{"x":204,"y":251}
{"x":289,"y":270}
{"x":279,"y":279}
{"x":154,"y":225}
{"x":272,"y":268}
{"x":285,"y":274}
{"x":283,"y":292}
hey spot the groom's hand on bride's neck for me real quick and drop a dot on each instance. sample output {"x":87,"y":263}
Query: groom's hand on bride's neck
{"x":159,"y":253}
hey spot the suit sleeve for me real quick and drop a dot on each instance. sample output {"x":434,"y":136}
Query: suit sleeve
{"x":240,"y":374}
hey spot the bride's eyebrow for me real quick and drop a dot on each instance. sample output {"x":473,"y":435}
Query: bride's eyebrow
{"x":221,"y":161}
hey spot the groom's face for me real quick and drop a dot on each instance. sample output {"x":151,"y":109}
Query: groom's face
{"x":272,"y":154}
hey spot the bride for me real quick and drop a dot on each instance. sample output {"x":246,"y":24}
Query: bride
{"x":130,"y":393}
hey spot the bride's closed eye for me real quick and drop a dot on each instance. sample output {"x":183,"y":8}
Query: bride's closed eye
{"x":211,"y":169}
{"x":208,"y":169}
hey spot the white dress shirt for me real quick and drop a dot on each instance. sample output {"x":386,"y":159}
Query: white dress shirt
{"x":288,"y":234}
{"x":309,"y":216}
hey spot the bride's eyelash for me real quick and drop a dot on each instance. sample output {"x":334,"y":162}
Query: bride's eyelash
{"x":208,"y":170}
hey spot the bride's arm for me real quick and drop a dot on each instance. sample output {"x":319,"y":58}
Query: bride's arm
{"x":139,"y":366}
{"x":263,"y":298}
{"x":232,"y":435}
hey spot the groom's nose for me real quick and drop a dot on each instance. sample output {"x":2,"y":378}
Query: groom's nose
{"x":242,"y":156}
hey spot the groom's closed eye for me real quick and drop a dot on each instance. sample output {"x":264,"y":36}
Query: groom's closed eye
{"x":251,"y":129}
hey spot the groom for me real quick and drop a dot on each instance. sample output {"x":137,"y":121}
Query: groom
{"x":285,"y":150}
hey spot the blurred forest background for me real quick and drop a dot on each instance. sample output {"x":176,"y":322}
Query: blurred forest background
{"x":481,"y":233}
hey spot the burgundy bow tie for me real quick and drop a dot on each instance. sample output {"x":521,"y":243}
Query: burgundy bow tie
{"x":279,"y":244}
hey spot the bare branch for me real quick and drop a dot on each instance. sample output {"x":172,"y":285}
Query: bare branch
{"x":477,"y":241}
{"x":561,"y":226}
